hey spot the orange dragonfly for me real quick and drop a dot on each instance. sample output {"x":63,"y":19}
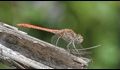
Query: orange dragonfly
{"x":66,"y":34}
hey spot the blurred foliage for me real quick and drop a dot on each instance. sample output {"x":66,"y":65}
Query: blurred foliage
{"x":98,"y":22}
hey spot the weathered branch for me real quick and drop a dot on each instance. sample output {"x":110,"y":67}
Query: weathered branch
{"x":30,"y":51}
{"x":7,"y":53}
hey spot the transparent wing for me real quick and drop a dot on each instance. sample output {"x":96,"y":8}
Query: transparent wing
{"x":54,"y":39}
{"x":58,"y":41}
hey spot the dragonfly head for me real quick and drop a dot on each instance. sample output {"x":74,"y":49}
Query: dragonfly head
{"x":79,"y":39}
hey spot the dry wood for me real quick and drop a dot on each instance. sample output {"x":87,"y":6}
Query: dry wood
{"x":29,"y":51}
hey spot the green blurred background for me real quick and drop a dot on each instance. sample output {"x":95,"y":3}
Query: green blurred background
{"x":98,"y":22}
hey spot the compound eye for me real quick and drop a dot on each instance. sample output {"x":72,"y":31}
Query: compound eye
{"x":80,"y":38}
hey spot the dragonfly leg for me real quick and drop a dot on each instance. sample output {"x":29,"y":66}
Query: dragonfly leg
{"x":75,"y":47}
{"x":68,"y":46}
{"x":57,"y":41}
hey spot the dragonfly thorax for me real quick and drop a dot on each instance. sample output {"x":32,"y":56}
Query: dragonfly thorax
{"x":69,"y":35}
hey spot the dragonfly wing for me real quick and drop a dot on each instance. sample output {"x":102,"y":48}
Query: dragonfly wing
{"x":54,"y":39}
{"x":59,"y":41}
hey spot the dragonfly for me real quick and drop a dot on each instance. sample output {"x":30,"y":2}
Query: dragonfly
{"x":66,"y":34}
